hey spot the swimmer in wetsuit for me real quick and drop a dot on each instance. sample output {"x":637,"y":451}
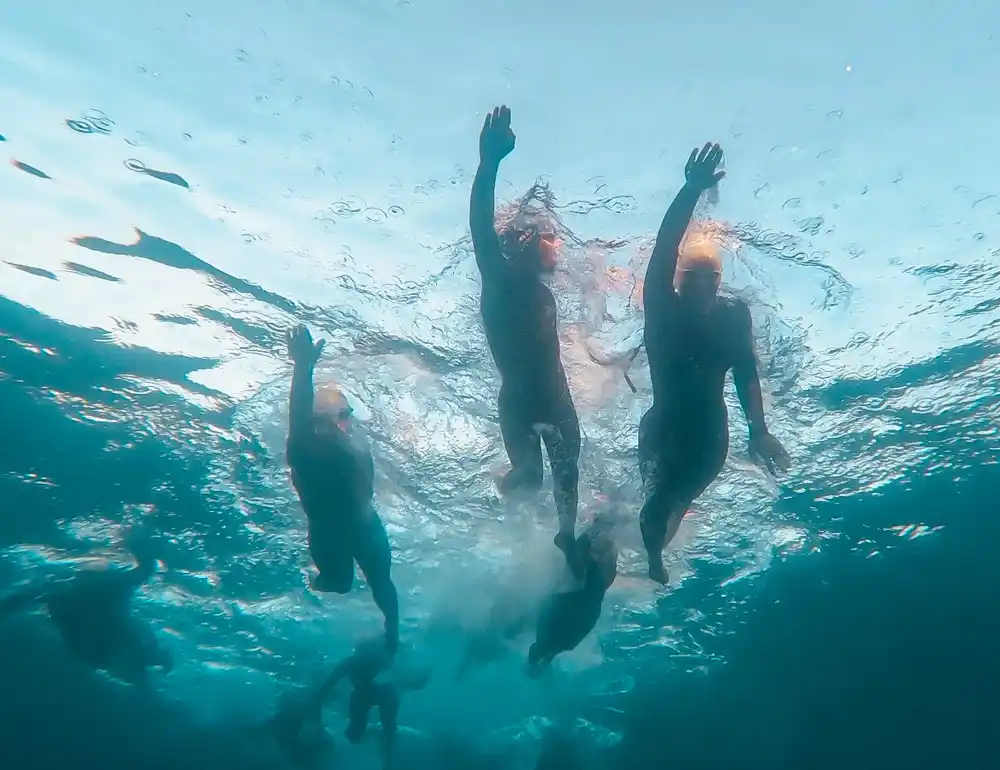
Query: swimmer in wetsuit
{"x":519,"y":315}
{"x":568,"y":617}
{"x":693,"y":337}
{"x":375,"y":684}
{"x":334,"y":475}
{"x":92,"y":611}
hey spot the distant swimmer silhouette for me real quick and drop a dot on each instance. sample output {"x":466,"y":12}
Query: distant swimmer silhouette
{"x":560,"y":619}
{"x":334,"y":475}
{"x":376,"y":684}
{"x":519,"y":315}
{"x":92,"y":611}
{"x":693,"y":337}
{"x":568,"y":617}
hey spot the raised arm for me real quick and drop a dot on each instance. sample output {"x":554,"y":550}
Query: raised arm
{"x":496,"y":141}
{"x":304,"y":353}
{"x":700,"y":174}
{"x":763,"y":445}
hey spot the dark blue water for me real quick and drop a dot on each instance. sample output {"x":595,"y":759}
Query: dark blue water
{"x":835,"y":658}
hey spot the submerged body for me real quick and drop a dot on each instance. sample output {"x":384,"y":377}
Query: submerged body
{"x":567,"y":618}
{"x":519,"y":316}
{"x":693,"y":339}
{"x":334,"y":474}
{"x":299,"y":729}
{"x":93,"y":613}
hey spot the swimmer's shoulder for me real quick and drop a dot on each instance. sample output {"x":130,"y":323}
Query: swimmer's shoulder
{"x":734,"y":312}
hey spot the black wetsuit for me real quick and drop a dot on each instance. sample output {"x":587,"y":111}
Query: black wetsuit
{"x":519,"y":315}
{"x":567,"y":618}
{"x":684,"y":436}
{"x":365,"y":696}
{"x":94,"y":616}
{"x":334,"y":479}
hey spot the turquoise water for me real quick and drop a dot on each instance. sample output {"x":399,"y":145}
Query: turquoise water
{"x":186,"y":184}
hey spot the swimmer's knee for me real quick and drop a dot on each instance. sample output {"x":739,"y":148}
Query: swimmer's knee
{"x":521,"y":478}
{"x":332,"y":583}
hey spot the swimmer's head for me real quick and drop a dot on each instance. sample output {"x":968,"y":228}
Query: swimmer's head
{"x":530,"y":241}
{"x":331,"y":409}
{"x":699,"y":273}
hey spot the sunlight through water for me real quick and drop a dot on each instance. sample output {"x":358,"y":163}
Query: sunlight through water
{"x":185,"y":184}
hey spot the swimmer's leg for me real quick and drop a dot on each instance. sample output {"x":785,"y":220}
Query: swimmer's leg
{"x":562,"y":442}
{"x":374,"y":557}
{"x":659,"y":521}
{"x":332,"y":556}
{"x":388,"y":713}
{"x":673,"y":477}
{"x":524,"y":447}
{"x":363,"y":700}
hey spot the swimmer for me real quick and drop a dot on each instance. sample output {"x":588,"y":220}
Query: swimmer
{"x":567,"y":618}
{"x":334,"y":475}
{"x":519,"y":315}
{"x":298,"y":726}
{"x":692,"y":337}
{"x":92,"y":610}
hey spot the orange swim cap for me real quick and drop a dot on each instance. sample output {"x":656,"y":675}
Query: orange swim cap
{"x":330,"y":402}
{"x":700,"y":253}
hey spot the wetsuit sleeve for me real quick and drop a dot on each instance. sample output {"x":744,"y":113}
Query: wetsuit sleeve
{"x":485,"y":242}
{"x":300,"y":407}
{"x":658,"y":288}
{"x":745,"y":375}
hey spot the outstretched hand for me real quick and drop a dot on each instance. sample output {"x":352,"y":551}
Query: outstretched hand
{"x":496,"y":140}
{"x":701,"y":171}
{"x":301,"y":348}
{"x":767,"y":449}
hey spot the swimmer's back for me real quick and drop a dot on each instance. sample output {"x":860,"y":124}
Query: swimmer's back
{"x":601,"y":559}
{"x":690,"y":355}
{"x":331,"y":473}
{"x":519,"y":315}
